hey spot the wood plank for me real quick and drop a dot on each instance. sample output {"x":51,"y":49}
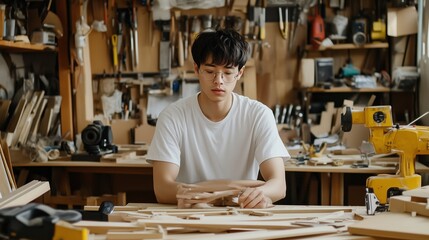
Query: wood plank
{"x":392,"y":225}
{"x":276,"y":209}
{"x":4,"y":112}
{"x":8,"y":169}
{"x":272,"y":234}
{"x":422,"y":192}
{"x":98,"y":227}
{"x":13,"y":123}
{"x":64,"y":74}
{"x":6,"y":153}
{"x":216,"y":225}
{"x":4,"y":179}
{"x":403,"y":204}
{"x":147,"y":234}
{"x":24,"y":194}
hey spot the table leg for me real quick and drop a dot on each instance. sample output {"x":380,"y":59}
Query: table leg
{"x":337,"y":189}
{"x":325,"y":188}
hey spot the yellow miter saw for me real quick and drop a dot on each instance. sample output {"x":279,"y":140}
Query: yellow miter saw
{"x":405,"y":140}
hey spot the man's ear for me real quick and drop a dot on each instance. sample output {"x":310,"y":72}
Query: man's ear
{"x":195,"y":68}
{"x":240,"y":73}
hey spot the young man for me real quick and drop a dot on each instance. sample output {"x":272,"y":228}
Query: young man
{"x":218,"y":134}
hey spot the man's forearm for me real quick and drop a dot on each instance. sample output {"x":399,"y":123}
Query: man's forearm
{"x":275,"y":189}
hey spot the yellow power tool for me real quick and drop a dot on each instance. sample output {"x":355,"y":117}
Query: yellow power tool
{"x":405,"y":140}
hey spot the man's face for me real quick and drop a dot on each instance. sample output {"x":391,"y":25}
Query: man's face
{"x":217,"y":82}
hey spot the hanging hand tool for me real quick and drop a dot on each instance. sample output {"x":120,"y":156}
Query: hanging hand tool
{"x":114,"y":41}
{"x":195,"y":28}
{"x":105,"y":12}
{"x":121,"y":43}
{"x":133,"y":33}
{"x":293,"y":26}
{"x":284,"y":26}
{"x":173,"y":39}
{"x":164,"y":48}
{"x":184,"y":29}
{"x":180,"y":48}
{"x":262,"y":24}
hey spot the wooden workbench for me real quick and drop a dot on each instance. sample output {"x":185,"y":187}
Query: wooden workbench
{"x":139,"y":172}
{"x":160,"y":221}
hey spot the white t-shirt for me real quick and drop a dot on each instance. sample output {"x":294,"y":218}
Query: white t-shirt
{"x":205,"y":150}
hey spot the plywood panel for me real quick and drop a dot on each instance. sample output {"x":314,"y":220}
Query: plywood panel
{"x":393,"y":225}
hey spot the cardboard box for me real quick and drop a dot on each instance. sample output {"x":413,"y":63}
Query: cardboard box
{"x":402,"y":21}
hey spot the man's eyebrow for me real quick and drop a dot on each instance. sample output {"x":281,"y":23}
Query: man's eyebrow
{"x":214,"y":65}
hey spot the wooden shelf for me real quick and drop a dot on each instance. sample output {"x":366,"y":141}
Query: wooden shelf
{"x":346,"y":89}
{"x":347,"y":46}
{"x":24,"y":47}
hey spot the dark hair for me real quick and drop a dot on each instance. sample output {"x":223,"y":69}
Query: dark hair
{"x":225,"y":46}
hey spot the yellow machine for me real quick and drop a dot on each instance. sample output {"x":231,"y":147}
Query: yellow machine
{"x":407,"y":141}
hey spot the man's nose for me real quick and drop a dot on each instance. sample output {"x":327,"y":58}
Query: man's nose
{"x":218,"y":76}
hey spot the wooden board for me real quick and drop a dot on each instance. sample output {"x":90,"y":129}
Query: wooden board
{"x":24,"y":194}
{"x":393,"y":225}
{"x":422,"y":192}
{"x":272,"y":234}
{"x":4,"y":112}
{"x":403,"y":204}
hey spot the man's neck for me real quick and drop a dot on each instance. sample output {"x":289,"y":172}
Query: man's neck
{"x":215,"y":111}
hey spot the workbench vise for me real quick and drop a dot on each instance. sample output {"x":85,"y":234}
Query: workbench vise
{"x":405,"y":140}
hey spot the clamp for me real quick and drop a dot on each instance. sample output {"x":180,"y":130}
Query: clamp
{"x":37,"y":221}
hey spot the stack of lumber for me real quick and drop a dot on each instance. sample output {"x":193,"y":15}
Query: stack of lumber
{"x":10,"y":195}
{"x":7,"y":179}
{"x":34,"y":114}
{"x":156,"y":221}
{"x":408,"y":218}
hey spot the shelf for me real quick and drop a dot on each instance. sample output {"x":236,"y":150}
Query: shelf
{"x":347,"y":46}
{"x":24,"y":47}
{"x":346,"y":89}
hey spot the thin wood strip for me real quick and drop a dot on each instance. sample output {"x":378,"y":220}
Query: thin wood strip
{"x":392,"y":225}
{"x":4,"y":180}
{"x":98,"y":227}
{"x":6,"y":154}
{"x":218,"y":225}
{"x":275,"y":209}
{"x":271,"y":234}
{"x":148,"y":234}
{"x":9,"y":172}
{"x":25,"y":194}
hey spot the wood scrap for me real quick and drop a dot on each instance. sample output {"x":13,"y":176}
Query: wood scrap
{"x":16,"y":118}
{"x":272,"y":234}
{"x":216,"y":225}
{"x":220,"y":193}
{"x":6,"y":156}
{"x":7,"y":167}
{"x":392,"y":225}
{"x":404,"y":204}
{"x":98,"y":227}
{"x":276,"y":209}
{"x":124,"y":157}
{"x":422,"y":192}
{"x":4,"y":112}
{"x":24,"y":194}
{"x":5,"y":187}
{"x":149,"y":234}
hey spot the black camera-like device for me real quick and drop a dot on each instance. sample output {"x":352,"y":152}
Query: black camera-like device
{"x":98,"y":139}
{"x":359,"y":31}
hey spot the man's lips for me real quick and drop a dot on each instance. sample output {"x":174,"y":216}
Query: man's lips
{"x":217,"y":90}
